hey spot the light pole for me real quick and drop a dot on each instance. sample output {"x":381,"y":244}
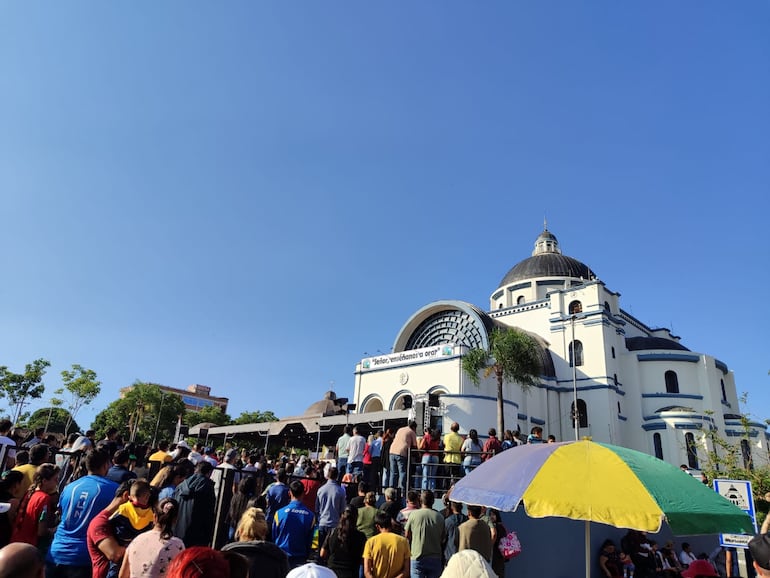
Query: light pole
{"x":575,"y":411}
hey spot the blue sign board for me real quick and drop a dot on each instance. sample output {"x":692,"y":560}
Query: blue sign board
{"x":739,"y":493}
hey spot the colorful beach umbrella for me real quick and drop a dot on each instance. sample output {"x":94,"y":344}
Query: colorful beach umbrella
{"x":596,"y":482}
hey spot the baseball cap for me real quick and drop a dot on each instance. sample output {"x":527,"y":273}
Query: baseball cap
{"x":699,"y":568}
{"x":182,"y":444}
{"x":4,"y":507}
{"x":759,"y":546}
{"x":231,"y":454}
{"x":311,"y":570}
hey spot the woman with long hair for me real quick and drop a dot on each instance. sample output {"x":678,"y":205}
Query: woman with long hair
{"x":35,"y":520}
{"x":471,"y":451}
{"x":170,"y":476}
{"x":265,"y":558}
{"x":150,"y":553}
{"x":498,"y":532}
{"x":247,"y":489}
{"x":343,"y":548}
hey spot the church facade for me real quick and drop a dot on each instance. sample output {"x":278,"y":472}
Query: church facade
{"x":625,"y":383}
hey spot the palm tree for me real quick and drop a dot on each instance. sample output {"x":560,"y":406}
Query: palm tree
{"x":513,"y":356}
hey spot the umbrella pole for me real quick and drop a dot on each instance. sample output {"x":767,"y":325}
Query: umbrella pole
{"x":588,"y":548}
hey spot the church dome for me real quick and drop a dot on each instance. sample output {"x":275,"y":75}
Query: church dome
{"x":547,"y":261}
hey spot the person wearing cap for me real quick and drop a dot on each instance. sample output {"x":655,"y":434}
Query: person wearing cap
{"x":227,"y":464}
{"x":701,"y":569}
{"x":182,"y":450}
{"x":210,"y":455}
{"x":311,"y":570}
{"x":195,"y":455}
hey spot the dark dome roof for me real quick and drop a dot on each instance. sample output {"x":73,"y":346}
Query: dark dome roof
{"x":547,"y":265}
{"x":645,"y":343}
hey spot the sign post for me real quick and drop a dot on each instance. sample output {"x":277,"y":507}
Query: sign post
{"x":739,"y":493}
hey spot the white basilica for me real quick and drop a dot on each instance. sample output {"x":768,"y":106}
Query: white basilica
{"x":635,"y":386}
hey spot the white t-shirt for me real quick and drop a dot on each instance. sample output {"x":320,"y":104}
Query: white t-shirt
{"x":356,"y":447}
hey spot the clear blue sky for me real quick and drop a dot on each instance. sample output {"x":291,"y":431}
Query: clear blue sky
{"x":251,"y":195}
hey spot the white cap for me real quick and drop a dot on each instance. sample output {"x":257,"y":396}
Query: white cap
{"x":183,"y":444}
{"x":4,"y":507}
{"x":311,"y":570}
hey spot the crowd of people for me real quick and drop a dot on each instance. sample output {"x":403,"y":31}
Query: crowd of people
{"x":642,"y":557}
{"x":102,"y":508}
{"x":98,"y":507}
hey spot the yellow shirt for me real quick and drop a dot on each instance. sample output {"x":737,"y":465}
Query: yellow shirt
{"x":388,"y":553}
{"x":453,"y":443}
{"x":28,"y":470}
{"x":160,"y":456}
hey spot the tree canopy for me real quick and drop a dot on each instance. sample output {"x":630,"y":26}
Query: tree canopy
{"x":83,"y":387}
{"x":20,"y":387}
{"x":254,"y":417}
{"x":143,"y":409}
{"x":513,"y":357}
{"x":209,"y":414}
{"x":59,"y":419}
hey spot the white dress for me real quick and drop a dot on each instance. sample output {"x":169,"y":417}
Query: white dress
{"x":149,"y":555}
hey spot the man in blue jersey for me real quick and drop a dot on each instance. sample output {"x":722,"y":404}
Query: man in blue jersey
{"x":80,"y":502}
{"x":293,"y":527}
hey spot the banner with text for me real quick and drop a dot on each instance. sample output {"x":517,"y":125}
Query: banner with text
{"x":407,"y":357}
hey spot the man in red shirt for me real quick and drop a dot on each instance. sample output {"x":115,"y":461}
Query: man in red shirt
{"x":103,"y":546}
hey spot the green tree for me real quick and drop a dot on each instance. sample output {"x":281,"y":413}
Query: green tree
{"x":53,"y":419}
{"x":83,"y":387}
{"x":254,"y":417}
{"x":143,"y":409}
{"x":208,"y":414}
{"x":19,"y":387}
{"x":56,"y":402}
{"x":513,"y":356}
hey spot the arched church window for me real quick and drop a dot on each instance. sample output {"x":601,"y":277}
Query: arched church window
{"x":575,"y":307}
{"x":578,"y":353}
{"x":520,"y":300}
{"x":658,"y":444}
{"x":607,"y":307}
{"x":582,"y":413}
{"x":613,"y":352}
{"x":500,"y":306}
{"x":692,"y":451}
{"x":672,"y":382}
{"x":748,"y":462}
{"x":724,"y":391}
